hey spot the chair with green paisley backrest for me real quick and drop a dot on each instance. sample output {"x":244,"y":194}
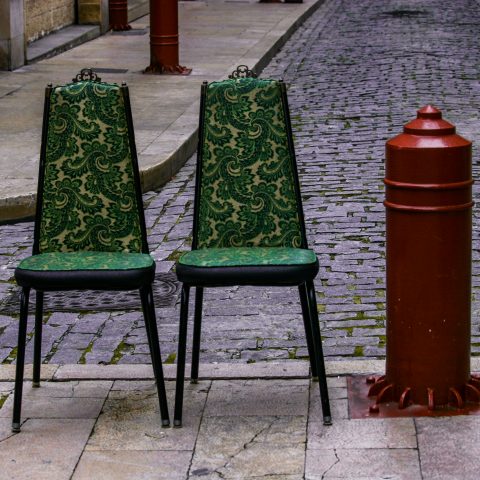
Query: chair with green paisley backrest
{"x":89,"y":226}
{"x":248,"y":226}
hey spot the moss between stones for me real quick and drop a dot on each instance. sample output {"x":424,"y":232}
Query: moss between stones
{"x":358,"y":352}
{"x":170,"y":359}
{"x":174,"y":256}
{"x":82,"y":359}
{"x":11,"y":357}
{"x":292,"y":354}
{"x":120,"y":351}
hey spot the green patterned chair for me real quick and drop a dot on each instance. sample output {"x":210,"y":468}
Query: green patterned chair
{"x":248,"y":226}
{"x":89,"y":226}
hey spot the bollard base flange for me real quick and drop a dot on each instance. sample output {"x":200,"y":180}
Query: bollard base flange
{"x":155,"y":69}
{"x":120,"y":27}
{"x":380,"y":403}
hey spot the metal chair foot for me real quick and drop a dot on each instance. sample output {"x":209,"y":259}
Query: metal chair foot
{"x":177,"y":423}
{"x":327,"y":420}
{"x":15,"y":427}
{"x":194,"y":381}
{"x":165,"y":423}
{"x":35,"y":384}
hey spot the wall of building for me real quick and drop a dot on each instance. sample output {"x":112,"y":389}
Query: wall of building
{"x":45,"y":16}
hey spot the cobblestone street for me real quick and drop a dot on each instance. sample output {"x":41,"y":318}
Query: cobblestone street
{"x":357,"y":71}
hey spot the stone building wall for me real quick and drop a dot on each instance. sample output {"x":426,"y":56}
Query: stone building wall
{"x":45,"y":16}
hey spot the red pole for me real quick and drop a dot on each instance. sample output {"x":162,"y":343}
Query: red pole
{"x":428,"y":182}
{"x":164,"y":38}
{"x":118,"y":15}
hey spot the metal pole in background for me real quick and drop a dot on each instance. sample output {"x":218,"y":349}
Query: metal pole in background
{"x":164,"y":39}
{"x":118,"y":15}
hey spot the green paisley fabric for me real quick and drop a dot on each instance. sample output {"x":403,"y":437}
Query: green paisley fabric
{"x":89,"y":198}
{"x":68,"y":261}
{"x":247,"y":196}
{"x":236,"y":257}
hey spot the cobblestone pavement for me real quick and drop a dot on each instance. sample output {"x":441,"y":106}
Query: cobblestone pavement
{"x":357,"y":72}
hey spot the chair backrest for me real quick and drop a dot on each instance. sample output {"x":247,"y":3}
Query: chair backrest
{"x":89,"y":194}
{"x":247,"y":190}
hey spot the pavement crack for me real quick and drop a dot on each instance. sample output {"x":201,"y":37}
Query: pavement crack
{"x":245,"y":446}
{"x":415,"y":425}
{"x":266,"y":428}
{"x":6,"y":438}
{"x":202,"y":416}
{"x":337,"y":460}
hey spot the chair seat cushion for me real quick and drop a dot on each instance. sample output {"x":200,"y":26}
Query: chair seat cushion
{"x":86,"y":270}
{"x":247,"y":266}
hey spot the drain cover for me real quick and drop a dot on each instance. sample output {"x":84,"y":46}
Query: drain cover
{"x":165,"y":294}
{"x":110,"y":70}
{"x":405,"y":13}
{"x":133,"y":31}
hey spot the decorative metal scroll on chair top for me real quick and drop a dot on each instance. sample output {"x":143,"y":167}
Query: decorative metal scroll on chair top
{"x":90,"y":229}
{"x":242,"y":71}
{"x":86,"y":75}
{"x":248,"y":226}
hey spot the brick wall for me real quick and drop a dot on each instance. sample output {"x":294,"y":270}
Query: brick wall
{"x":45,"y":16}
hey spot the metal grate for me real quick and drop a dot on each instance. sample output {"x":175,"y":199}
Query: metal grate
{"x":165,"y":293}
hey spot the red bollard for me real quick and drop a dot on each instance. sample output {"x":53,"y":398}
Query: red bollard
{"x":429,"y":243}
{"x":164,"y":38}
{"x":118,"y":15}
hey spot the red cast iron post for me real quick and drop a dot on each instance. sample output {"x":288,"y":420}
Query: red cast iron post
{"x":164,"y":38}
{"x":118,"y":15}
{"x":429,"y":242}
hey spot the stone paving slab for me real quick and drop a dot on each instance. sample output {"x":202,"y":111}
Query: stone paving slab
{"x":46,"y":449}
{"x":130,"y":420}
{"x":363,"y":464}
{"x":121,"y":465}
{"x":247,"y":437}
{"x":126,"y":440}
{"x":7,"y":372}
{"x":449,"y":448}
{"x":251,"y":446}
{"x":272,"y":370}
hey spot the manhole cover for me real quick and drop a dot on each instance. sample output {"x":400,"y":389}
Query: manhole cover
{"x":165,"y":294}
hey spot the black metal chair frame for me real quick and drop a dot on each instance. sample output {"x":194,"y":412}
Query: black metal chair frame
{"x":146,"y":294}
{"x":306,"y":289}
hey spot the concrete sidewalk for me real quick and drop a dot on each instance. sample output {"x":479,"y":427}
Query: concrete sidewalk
{"x":244,"y":422}
{"x":215,"y":37}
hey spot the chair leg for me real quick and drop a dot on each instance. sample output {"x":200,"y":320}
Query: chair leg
{"x":182,"y":348}
{"x":308,"y":330}
{"x":152,"y":334}
{"x":22,"y":336}
{"x":317,"y":343}
{"x":197,"y":328}
{"x":37,"y":341}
